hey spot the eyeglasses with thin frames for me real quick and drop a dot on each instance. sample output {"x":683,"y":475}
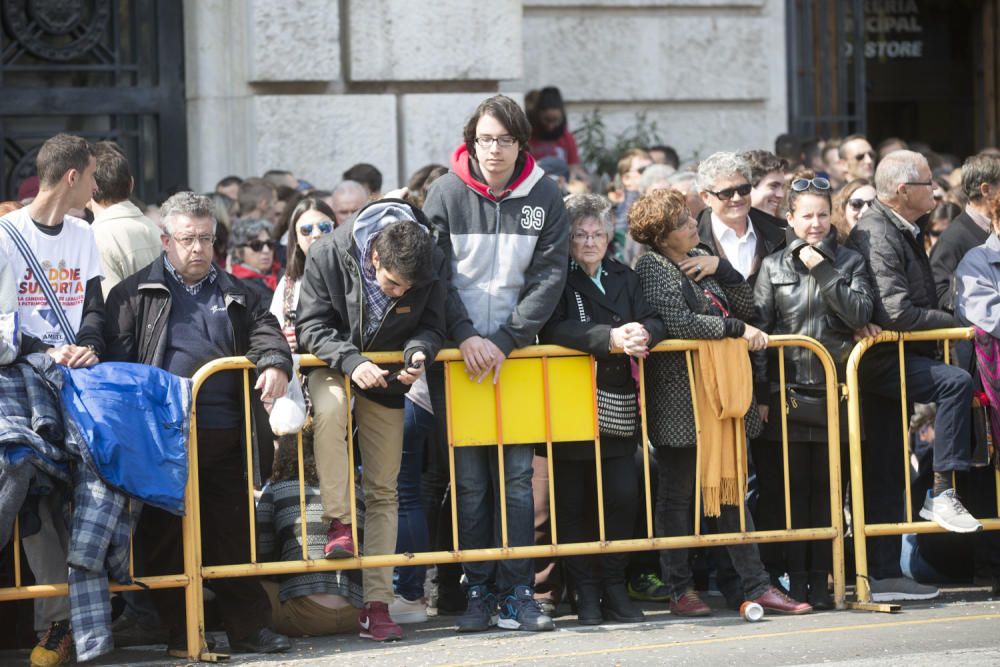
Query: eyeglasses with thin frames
{"x":583,"y":237}
{"x":506,"y":141}
{"x":189,"y":241}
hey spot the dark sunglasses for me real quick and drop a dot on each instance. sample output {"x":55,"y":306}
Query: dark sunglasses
{"x":257,"y":245}
{"x":819,"y":183}
{"x":861,"y":156}
{"x":324,"y":228}
{"x":858,"y":204}
{"x":934,"y":233}
{"x":727,"y":194}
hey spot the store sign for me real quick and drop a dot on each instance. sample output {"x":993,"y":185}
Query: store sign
{"x":893,"y":30}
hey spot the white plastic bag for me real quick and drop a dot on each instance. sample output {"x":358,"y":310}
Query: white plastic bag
{"x":288,"y":414}
{"x":10,"y":331}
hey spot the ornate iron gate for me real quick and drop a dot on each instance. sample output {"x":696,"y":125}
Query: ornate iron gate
{"x":101,"y":69}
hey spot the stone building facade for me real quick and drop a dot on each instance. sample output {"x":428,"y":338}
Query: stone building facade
{"x":318,"y":85}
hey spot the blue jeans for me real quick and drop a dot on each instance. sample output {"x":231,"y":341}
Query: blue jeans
{"x":476,"y":475}
{"x":412,"y":536}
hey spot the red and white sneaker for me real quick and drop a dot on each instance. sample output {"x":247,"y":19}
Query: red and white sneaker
{"x":339,"y":542}
{"x":375,"y":623}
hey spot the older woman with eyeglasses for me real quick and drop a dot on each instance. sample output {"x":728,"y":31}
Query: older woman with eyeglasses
{"x":602,"y":309}
{"x":818,"y":288}
{"x":698,"y":295}
{"x":311,"y":219}
{"x":251,"y":253}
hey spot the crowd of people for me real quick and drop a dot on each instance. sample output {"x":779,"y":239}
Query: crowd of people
{"x":511,"y":244}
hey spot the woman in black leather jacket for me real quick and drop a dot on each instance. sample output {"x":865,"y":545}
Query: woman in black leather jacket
{"x":813,"y":287}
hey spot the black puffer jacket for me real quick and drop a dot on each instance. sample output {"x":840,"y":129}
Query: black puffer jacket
{"x":827,"y":303}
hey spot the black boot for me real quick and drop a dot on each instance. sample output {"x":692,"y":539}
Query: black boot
{"x":618,"y":606}
{"x":819,"y":592}
{"x":588,"y":604}
{"x":798,"y":583}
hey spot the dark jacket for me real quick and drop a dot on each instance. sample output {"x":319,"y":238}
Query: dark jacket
{"x":137,"y":313}
{"x":621,"y":302}
{"x":687,"y":313}
{"x":770,"y":236}
{"x":827,"y":303}
{"x":961,"y":236}
{"x":905,"y":297}
{"x":331,"y":312}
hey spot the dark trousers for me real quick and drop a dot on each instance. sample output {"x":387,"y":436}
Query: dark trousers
{"x":809,"y":482}
{"x":225,"y":539}
{"x":576,"y":514}
{"x":882,"y":472}
{"x":675,"y":514}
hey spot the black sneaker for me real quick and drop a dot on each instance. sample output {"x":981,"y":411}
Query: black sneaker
{"x":481,"y":611}
{"x":520,"y":611}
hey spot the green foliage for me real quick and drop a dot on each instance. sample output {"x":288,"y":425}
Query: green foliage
{"x":600,"y":154}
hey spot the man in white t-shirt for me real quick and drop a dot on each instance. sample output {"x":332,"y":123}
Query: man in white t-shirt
{"x":65,"y":250}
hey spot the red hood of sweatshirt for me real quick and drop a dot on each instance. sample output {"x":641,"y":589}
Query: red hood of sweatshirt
{"x":460,"y":160}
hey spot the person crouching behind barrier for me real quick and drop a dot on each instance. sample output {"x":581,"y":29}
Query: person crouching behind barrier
{"x":373,"y":284}
{"x":814,"y":287}
{"x":602,"y":309}
{"x":701,"y":296}
{"x":310,"y":604}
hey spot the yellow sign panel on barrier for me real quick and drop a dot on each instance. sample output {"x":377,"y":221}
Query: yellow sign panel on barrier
{"x":522,"y":397}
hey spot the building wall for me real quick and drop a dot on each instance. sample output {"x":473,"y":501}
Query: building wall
{"x":318,"y":85}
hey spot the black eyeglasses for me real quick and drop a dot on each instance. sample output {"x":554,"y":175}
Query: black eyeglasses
{"x":324,"y":228}
{"x":858,"y":204}
{"x":727,"y":194}
{"x":861,"y":156}
{"x":257,"y":245}
{"x":929,"y":184}
{"x":819,"y":183}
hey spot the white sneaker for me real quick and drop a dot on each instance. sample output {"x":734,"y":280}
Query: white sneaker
{"x":948,"y":512}
{"x":895,"y":589}
{"x":406,"y":612}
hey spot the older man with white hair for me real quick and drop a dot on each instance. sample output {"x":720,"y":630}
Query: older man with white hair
{"x":889,"y":238}
{"x":728,"y":226}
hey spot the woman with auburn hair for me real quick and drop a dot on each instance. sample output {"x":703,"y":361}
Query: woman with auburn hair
{"x":850,"y":202}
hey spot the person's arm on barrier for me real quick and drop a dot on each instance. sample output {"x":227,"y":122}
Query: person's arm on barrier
{"x":568,"y":331}
{"x":644,"y":313}
{"x":662,"y":286}
{"x":268,"y":350}
{"x":894,"y":309}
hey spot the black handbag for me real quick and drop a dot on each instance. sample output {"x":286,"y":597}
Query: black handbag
{"x":805,"y":406}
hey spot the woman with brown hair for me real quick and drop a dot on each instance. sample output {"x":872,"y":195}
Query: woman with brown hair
{"x":849,"y":203}
{"x":701,"y":296}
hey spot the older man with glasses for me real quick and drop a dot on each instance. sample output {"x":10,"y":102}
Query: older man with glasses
{"x":179,"y":313}
{"x":728,"y":226}
{"x":888,"y":237}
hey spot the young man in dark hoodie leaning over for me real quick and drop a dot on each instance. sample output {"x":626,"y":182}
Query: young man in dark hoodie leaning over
{"x":504,"y":229}
{"x":371,"y":285}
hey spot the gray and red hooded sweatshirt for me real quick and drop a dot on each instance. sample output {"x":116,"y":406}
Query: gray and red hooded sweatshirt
{"x":508,"y":253}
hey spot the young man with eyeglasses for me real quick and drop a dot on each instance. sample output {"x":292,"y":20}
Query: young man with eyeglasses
{"x":179,"y":313}
{"x":728,"y":226}
{"x":503,"y":227}
{"x":857,"y":157}
{"x":889,"y":238}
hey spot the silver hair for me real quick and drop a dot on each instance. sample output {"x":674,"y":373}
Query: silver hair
{"x":653,"y":174}
{"x":582,"y":206}
{"x":350,"y":187}
{"x":721,"y":165}
{"x":895,"y":169}
{"x":679,"y":177}
{"x":188,"y":204}
{"x":246,"y":230}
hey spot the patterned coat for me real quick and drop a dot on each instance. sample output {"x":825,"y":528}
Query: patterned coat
{"x":687,"y":313}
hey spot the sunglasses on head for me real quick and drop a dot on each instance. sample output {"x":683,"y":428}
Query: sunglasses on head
{"x":257,"y":245}
{"x":818,"y":183}
{"x":858,"y":204}
{"x":727,"y":194}
{"x":324,"y":228}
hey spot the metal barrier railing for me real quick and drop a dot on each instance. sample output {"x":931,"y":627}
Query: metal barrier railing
{"x":546,"y":394}
{"x":861,"y":529}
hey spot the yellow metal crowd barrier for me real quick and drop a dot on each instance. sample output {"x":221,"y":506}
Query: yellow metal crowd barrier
{"x":545,"y":394}
{"x":861,"y":529}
